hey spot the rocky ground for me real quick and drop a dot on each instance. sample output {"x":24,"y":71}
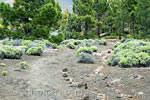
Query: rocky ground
{"x":56,"y":75}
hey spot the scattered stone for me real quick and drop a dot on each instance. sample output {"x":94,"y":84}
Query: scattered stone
{"x":140,"y":93}
{"x":105,"y":78}
{"x":135,"y":76}
{"x":65,"y":75}
{"x":98,"y":70}
{"x":118,"y":97}
{"x":86,"y":98}
{"x":109,"y":51}
{"x":82,"y":85}
{"x":115,"y":81}
{"x":65,"y":70}
{"x":17,"y":70}
{"x":101,"y":97}
{"x":67,"y":79}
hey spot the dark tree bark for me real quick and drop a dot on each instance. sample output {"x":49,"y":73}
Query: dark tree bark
{"x":123,"y":26}
{"x":86,"y":29}
{"x":27,"y":30}
{"x":133,"y":25}
{"x":99,"y":28}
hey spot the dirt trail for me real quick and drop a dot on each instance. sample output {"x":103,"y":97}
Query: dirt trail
{"x":44,"y":79}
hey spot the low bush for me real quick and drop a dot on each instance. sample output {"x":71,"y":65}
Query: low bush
{"x":35,"y":51}
{"x":22,"y":65}
{"x":2,"y":64}
{"x":83,"y":50}
{"x":4,"y":73}
{"x":93,"y":48}
{"x":8,"y":42}
{"x":131,"y":53}
{"x":83,"y":43}
{"x":56,"y":38}
{"x":85,"y":58}
{"x":10,"y":52}
{"x":71,"y":45}
{"x":26,"y":42}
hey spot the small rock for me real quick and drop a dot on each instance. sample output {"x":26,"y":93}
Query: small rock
{"x":82,"y":85}
{"x":115,"y":81}
{"x":109,"y":51}
{"x":130,"y":96}
{"x":67,"y":79}
{"x":86,"y":98}
{"x":118,"y":97}
{"x":140,"y":93}
{"x":65,"y":75}
{"x":105,"y":78}
{"x":136,"y":76}
{"x":65,"y":70}
{"x":101,"y":96}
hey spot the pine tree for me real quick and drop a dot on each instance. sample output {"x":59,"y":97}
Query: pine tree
{"x":35,"y":17}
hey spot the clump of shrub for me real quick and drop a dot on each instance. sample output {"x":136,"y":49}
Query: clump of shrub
{"x":84,"y":54}
{"x":93,"y":48}
{"x":131,"y":53}
{"x":8,"y":42}
{"x":22,"y":65}
{"x":85,"y":58}
{"x":83,"y":43}
{"x":35,"y":51}
{"x":83,"y":50}
{"x":4,"y":73}
{"x":71,"y":45}
{"x":2,"y":64}
{"x":102,"y":42}
{"x":26,"y":42}
{"x":10,"y":52}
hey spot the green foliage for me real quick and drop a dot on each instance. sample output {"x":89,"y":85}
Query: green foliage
{"x":10,"y":52}
{"x":4,"y":73}
{"x":102,"y":42}
{"x":22,"y":65}
{"x":85,"y":58}
{"x":8,"y":42}
{"x":35,"y":51}
{"x":2,"y":64}
{"x":83,"y":43}
{"x":54,"y":45}
{"x":93,"y":48}
{"x":131,"y":53}
{"x":56,"y":38}
{"x":71,"y":45}
{"x":84,"y":50}
{"x":34,"y":18}
{"x":26,"y":42}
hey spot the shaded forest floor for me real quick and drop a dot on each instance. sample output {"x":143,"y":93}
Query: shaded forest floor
{"x":56,"y":75}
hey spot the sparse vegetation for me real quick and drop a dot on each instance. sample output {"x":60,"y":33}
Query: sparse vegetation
{"x":2,"y":64}
{"x":4,"y":73}
{"x":22,"y":65}
{"x":35,"y":51}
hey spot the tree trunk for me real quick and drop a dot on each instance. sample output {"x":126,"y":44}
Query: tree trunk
{"x":123,"y":26}
{"x":137,"y":31}
{"x":119,"y":36}
{"x":80,"y":29}
{"x":27,"y":30}
{"x":86,"y":29}
{"x":133,"y":24}
{"x":98,"y":28}
{"x":111,"y":28}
